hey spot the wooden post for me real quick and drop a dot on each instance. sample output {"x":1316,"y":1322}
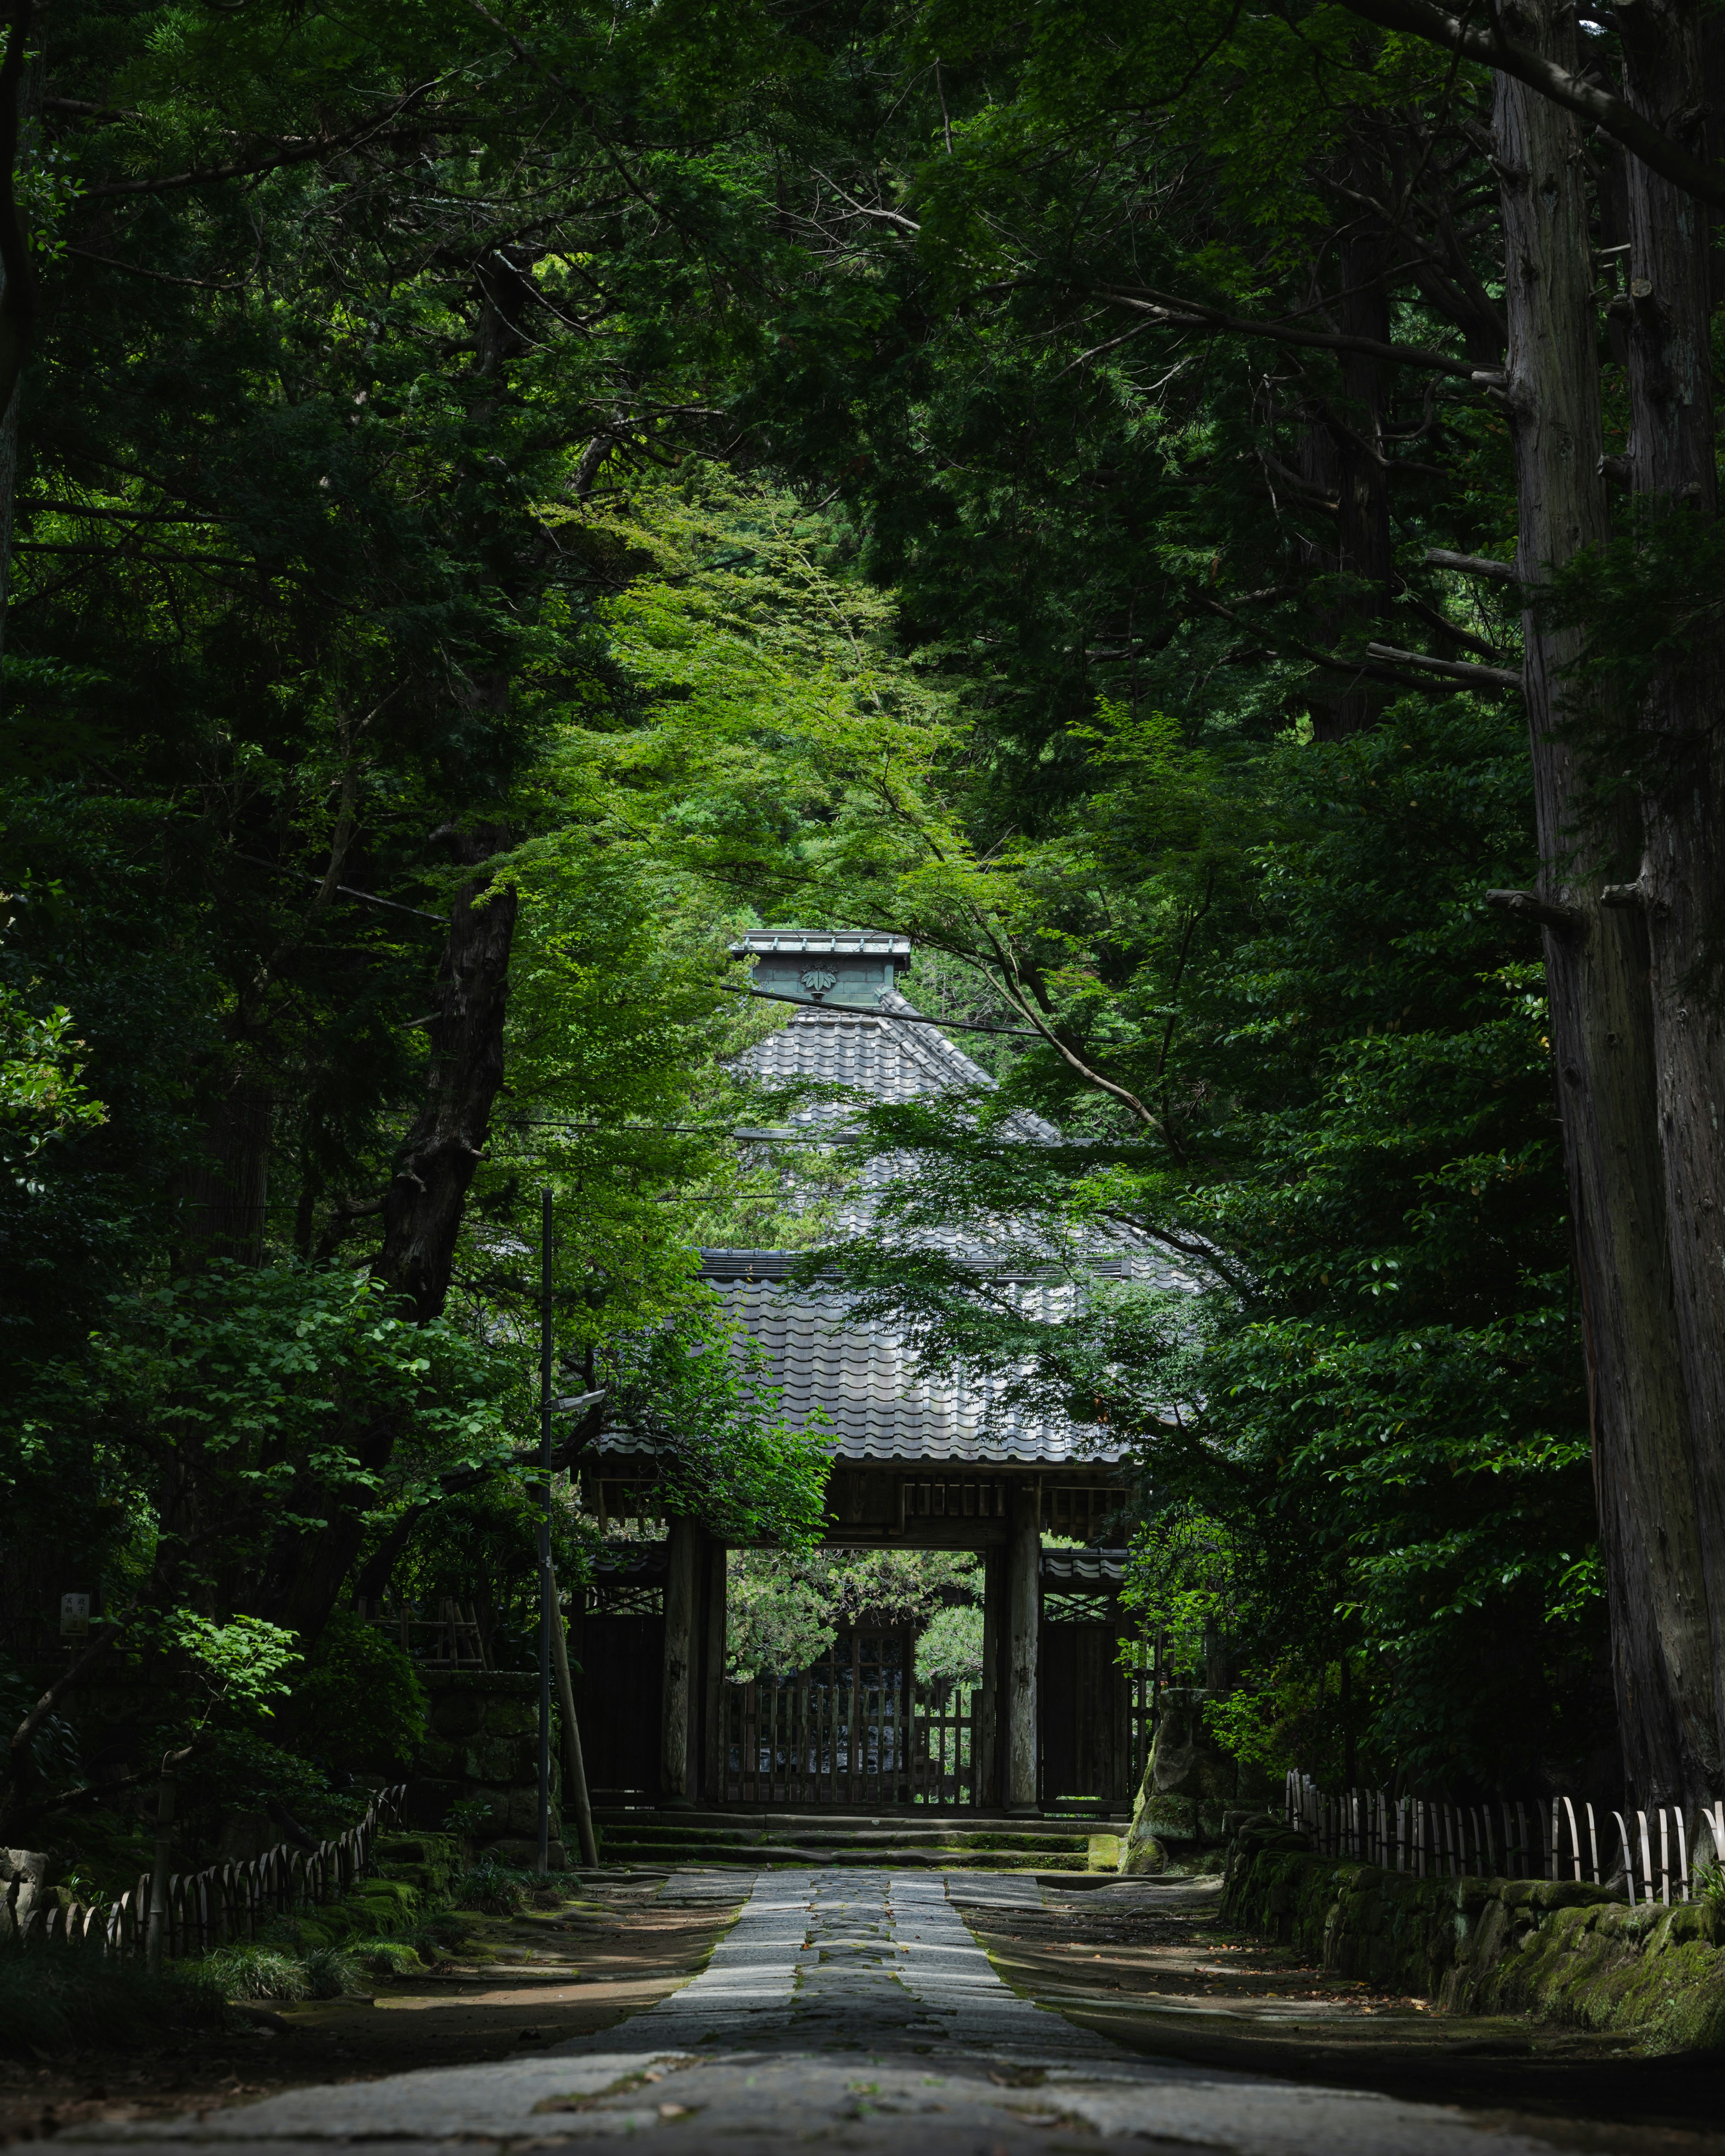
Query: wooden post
{"x":715,"y":1750}
{"x":679,"y":1644}
{"x":985,"y":1738}
{"x":156,"y":1936}
{"x":1023,"y":1571}
{"x":574,"y":1766}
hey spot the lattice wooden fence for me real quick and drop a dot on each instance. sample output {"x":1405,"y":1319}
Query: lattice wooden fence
{"x":453,"y":1640}
{"x":205,"y":1909}
{"x":1503,"y":1841}
{"x":814,"y":1741}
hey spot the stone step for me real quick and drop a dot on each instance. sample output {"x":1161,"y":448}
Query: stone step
{"x":968,"y":1832}
{"x":919,"y":1819}
{"x":1039,"y":1837}
{"x":661,"y":1856}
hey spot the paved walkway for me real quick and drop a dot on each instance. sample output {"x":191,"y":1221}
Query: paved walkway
{"x":846,"y":2011}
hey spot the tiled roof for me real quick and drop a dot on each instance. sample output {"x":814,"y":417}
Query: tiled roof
{"x":1073,"y":1571}
{"x":863,"y":1374}
{"x":822,"y":943}
{"x":879,"y":1061}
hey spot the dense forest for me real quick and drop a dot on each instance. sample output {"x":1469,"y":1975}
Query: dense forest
{"x":1203,"y":513}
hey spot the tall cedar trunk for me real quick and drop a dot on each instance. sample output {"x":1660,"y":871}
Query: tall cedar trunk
{"x":1680,"y":886}
{"x":1596,"y":971}
{"x":23,"y":84}
{"x":1345,"y":453}
{"x":422,"y":1213}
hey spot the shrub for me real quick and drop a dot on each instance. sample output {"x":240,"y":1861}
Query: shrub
{"x":254,"y":1971}
{"x":280,"y":1973}
{"x":333,"y":1972}
{"x":391,"y":1958}
{"x":492,"y":1890}
{"x":360,"y":1703}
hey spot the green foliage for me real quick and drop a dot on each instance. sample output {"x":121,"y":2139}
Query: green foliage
{"x":360,"y":1704}
{"x":40,"y":1092}
{"x":768,"y":484}
{"x":1359,"y":1415}
{"x":493,"y":1889}
{"x":273,"y":1972}
{"x":241,"y":1663}
{"x":949,"y":1647}
{"x":467,"y":1817}
{"x":784,"y":1611}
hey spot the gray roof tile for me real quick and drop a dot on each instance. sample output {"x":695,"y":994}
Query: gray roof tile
{"x":863,"y":1373}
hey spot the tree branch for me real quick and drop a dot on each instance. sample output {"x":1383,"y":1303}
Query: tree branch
{"x":19,"y":1748}
{"x":1452,"y":669}
{"x":1612,"y":115}
{"x":1529,"y":906}
{"x":1473,"y":565}
{"x":1193,"y":313}
{"x":293,"y":153}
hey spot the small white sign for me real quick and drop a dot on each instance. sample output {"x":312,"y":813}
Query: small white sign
{"x":74,"y":1616}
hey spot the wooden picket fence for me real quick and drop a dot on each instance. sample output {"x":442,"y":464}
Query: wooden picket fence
{"x":209,"y":1909}
{"x":1504,"y":1840}
{"x":803,"y":1740}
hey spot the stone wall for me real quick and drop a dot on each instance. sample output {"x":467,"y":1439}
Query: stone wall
{"x":1561,"y":1950}
{"x":483,"y":1745}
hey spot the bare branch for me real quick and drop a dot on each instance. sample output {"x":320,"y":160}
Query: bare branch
{"x":1529,"y":906}
{"x":1452,"y":669}
{"x":1473,"y":565}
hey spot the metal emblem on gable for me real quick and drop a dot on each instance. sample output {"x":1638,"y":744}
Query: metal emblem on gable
{"x":818,"y":983}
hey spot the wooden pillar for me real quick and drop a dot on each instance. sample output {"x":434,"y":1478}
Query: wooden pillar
{"x":1119,"y":1790}
{"x":714,"y":1749}
{"x":681,"y":1574}
{"x":985,"y":1737}
{"x":1024,"y":1570}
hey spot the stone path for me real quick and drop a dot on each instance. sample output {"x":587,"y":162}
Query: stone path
{"x":850,"y":2010}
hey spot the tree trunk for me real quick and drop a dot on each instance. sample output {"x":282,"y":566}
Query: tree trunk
{"x":21,"y":90}
{"x":422,"y":1212}
{"x":1596,"y":971}
{"x":1680,"y":886}
{"x":1350,"y":459}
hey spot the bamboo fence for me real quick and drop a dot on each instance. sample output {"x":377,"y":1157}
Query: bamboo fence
{"x":208,"y":1908}
{"x":1504,"y":1840}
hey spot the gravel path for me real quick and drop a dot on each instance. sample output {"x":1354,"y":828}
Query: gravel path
{"x":846,"y":2011}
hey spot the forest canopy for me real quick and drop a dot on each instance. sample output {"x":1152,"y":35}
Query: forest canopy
{"x":495,"y":501}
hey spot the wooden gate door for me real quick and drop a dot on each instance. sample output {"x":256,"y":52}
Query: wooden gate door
{"x":1084,"y":1710}
{"x":618,"y":1642}
{"x":945,"y":1724}
{"x":854,"y":1728}
{"x":834,"y":1734}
